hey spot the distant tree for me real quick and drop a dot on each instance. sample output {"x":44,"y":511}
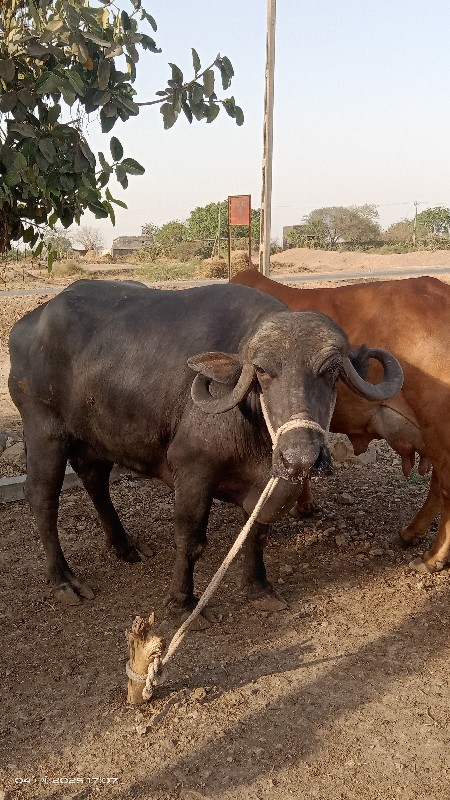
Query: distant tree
{"x":60,"y":61}
{"x":436,"y":221}
{"x":57,"y":241}
{"x":149,"y":229}
{"x":334,"y":224}
{"x":203,"y":222}
{"x":90,"y":238}
{"x":170,"y":234}
{"x":400,"y":232}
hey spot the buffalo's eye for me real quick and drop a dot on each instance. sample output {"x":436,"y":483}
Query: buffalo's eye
{"x":330,"y":369}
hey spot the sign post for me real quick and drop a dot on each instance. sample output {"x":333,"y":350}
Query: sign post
{"x":239,"y":213}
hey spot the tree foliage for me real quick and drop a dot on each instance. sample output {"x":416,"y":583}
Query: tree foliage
{"x":61,"y":60}
{"x":436,"y":221}
{"x":203,"y":222}
{"x":327,"y":227}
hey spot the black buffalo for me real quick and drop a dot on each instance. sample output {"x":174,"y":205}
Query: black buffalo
{"x":103,"y":373}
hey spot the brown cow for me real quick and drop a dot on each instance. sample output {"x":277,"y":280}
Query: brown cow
{"x":411,"y":318}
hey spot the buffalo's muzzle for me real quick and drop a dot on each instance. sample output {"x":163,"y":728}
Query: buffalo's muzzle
{"x":295,"y":462}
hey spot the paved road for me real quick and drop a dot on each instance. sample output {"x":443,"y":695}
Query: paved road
{"x":300,"y":277}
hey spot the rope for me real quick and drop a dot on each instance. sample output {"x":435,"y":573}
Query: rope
{"x":156,"y":673}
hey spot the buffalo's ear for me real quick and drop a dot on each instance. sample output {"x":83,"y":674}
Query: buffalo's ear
{"x":220,"y":367}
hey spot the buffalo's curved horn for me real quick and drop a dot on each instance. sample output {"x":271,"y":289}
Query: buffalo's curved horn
{"x":392,"y":379}
{"x":217,"y":405}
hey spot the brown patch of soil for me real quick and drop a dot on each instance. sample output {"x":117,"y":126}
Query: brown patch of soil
{"x":342,"y":696}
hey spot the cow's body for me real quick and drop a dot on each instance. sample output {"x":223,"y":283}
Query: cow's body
{"x":411,"y":318}
{"x":100,"y":375}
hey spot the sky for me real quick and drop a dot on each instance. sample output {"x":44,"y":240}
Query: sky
{"x":361,"y":111}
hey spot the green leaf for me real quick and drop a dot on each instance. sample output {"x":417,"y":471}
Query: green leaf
{"x":8,"y":101}
{"x":111,"y":213}
{"x":116,"y":149}
{"x":47,"y":149}
{"x":239,"y":116}
{"x":7,"y":69}
{"x":98,"y":209}
{"x":228,"y":66}
{"x":132,"y":167}
{"x":126,"y":21}
{"x":12,"y":178}
{"x":169,"y":115}
{"x":37,"y":252}
{"x":24,"y":129}
{"x":108,"y":121}
{"x":212,"y":112}
{"x":187,"y":111}
{"x":196,"y":61}
{"x":177,"y":75}
{"x":104,"y":72}
{"x":149,"y":19}
{"x":76,"y":82}
{"x":53,"y":114}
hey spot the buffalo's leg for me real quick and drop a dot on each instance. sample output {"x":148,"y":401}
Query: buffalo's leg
{"x":191,"y":513}
{"x":46,"y":464}
{"x":419,"y":526}
{"x":260,"y":591}
{"x":94,"y":474}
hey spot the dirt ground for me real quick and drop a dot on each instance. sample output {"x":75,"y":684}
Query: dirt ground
{"x":344,"y":695}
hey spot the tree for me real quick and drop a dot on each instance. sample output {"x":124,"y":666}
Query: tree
{"x":203,"y":222}
{"x":61,"y":60}
{"x":334,"y":224}
{"x":436,"y":221}
{"x":149,"y":229}
{"x":400,"y":232}
{"x":57,"y":241}
{"x":170,"y":234}
{"x":90,"y":238}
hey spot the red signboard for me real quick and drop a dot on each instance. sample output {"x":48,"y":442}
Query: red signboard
{"x":239,"y":211}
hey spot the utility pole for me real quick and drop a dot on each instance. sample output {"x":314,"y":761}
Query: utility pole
{"x":266,"y":192}
{"x":415,"y":225}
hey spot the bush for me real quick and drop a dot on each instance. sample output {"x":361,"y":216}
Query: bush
{"x":186,"y":251}
{"x":68,"y":267}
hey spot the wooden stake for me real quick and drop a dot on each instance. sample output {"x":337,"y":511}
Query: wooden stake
{"x":143,"y":646}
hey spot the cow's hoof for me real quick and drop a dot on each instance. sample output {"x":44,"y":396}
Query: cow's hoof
{"x":425,"y":567}
{"x":70,"y":594}
{"x":409,"y":538}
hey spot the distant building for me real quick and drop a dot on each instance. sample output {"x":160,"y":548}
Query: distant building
{"x":126,"y":245}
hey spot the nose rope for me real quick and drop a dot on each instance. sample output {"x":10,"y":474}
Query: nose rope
{"x":156,"y":673}
{"x":290,"y":425}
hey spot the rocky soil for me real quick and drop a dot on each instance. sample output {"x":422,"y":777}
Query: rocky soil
{"x":344,"y":695}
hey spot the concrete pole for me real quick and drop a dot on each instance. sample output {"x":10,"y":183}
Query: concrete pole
{"x":266,"y":192}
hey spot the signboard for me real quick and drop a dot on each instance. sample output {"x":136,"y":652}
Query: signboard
{"x":239,"y":209}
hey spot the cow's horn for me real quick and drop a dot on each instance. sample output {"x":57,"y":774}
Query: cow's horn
{"x":217,"y":405}
{"x":392,"y":379}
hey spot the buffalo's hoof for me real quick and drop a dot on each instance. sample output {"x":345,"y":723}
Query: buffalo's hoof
{"x":266,"y":599}
{"x":180,"y":612}
{"x":425,"y":567}
{"x":304,"y":510}
{"x":69,"y":593}
{"x":129,"y":554}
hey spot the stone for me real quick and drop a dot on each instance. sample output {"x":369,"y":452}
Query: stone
{"x":345,"y":499}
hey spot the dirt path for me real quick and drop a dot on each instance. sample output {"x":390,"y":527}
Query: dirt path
{"x":342,"y":696}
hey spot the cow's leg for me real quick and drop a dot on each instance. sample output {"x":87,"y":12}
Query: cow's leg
{"x":438,"y":555}
{"x":260,"y":591}
{"x":419,"y":526}
{"x":94,"y":474}
{"x":191,"y":512}
{"x":46,"y":464}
